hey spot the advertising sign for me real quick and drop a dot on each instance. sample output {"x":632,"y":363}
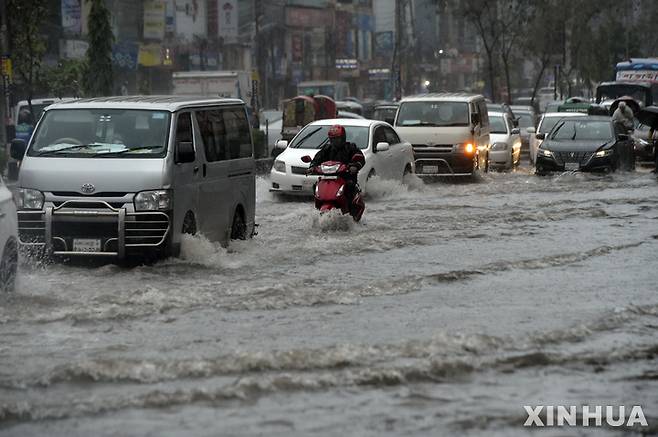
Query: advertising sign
{"x":227,"y":25}
{"x":154,"y":19}
{"x":71,"y":17}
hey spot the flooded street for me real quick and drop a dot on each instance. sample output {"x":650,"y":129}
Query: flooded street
{"x":449,"y":308}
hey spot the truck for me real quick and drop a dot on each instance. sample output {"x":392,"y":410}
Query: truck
{"x":226,"y":84}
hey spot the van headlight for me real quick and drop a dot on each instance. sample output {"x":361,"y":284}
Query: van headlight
{"x":27,"y":198}
{"x":280,"y":166}
{"x":157,"y":200}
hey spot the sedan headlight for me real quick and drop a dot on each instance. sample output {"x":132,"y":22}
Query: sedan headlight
{"x":280,"y":166}
{"x":499,"y":146}
{"x":602,"y":153}
{"x":157,"y":200}
{"x":27,"y":198}
{"x":544,"y":152}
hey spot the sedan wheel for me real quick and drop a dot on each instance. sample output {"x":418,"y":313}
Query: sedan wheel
{"x":8,"y":267}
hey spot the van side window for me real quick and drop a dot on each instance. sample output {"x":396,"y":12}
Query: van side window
{"x":484,"y":114}
{"x":184,"y":128}
{"x":238,"y":137}
{"x":213,"y":133}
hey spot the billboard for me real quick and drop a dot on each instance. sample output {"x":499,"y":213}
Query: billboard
{"x":71,"y":17}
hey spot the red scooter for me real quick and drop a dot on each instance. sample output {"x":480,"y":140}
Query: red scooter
{"x":330,"y":189}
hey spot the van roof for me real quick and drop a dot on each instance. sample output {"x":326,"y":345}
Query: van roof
{"x":162,"y":103}
{"x":448,"y":97}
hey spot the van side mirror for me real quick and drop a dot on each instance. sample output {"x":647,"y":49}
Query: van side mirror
{"x":381,"y":147}
{"x":475,"y":118}
{"x":17,"y":150}
{"x":540,"y":136}
{"x":281,"y":144}
{"x":185,"y":152}
{"x":516,"y":131}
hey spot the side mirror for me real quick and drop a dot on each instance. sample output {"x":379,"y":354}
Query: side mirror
{"x":17,"y":150}
{"x":305,"y":159}
{"x":540,"y":136}
{"x":475,"y":118}
{"x":531,"y":130}
{"x":281,"y":144}
{"x":516,"y":131}
{"x":381,"y":147}
{"x":515,"y":122}
{"x":185,"y":152}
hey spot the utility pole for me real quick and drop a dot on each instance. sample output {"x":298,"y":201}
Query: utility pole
{"x":4,"y":53}
{"x":397,"y":64}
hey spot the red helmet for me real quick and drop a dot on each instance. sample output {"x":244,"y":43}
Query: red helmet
{"x":337,"y":131}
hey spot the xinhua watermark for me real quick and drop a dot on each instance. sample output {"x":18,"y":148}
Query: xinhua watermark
{"x":585,"y":415}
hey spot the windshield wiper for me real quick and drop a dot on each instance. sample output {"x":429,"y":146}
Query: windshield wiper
{"x":300,"y":142}
{"x":63,"y":149}
{"x":421,"y":123}
{"x":128,"y":150}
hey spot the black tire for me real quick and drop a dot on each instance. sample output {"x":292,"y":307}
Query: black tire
{"x":9,"y":267}
{"x":239,"y":227}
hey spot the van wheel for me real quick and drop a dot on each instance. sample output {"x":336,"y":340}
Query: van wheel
{"x":8,"y":267}
{"x":239,"y":227}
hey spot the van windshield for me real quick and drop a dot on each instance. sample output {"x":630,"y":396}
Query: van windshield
{"x":102,"y":133}
{"x":440,"y":114}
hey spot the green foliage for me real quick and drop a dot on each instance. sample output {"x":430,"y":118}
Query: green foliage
{"x":99,"y":78}
{"x":25,"y":18}
{"x":65,"y":79}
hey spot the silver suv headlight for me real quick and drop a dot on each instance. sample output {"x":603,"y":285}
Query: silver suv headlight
{"x":156,"y":200}
{"x":27,"y":198}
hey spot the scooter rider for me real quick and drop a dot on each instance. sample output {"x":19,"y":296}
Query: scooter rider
{"x":338,"y":149}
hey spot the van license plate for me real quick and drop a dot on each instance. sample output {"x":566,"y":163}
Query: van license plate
{"x":431,"y":169}
{"x":86,"y":245}
{"x":571,"y":166}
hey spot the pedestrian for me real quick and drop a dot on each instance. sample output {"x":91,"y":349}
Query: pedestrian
{"x":25,"y":125}
{"x":623,"y":118}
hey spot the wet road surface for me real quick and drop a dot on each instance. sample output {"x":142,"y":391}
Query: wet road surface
{"x":444,"y":313}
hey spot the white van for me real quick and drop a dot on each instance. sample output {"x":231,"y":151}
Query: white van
{"x":122,"y":176}
{"x":449,"y":133}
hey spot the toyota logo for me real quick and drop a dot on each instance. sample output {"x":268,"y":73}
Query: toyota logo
{"x":572,"y":154}
{"x":87,"y":188}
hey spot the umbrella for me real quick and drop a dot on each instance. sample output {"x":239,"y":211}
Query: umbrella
{"x":630,"y":101}
{"x":649,"y":116}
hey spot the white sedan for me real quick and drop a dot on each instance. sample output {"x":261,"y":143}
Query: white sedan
{"x":387,"y":156}
{"x":8,"y":239}
{"x":505,"y":151}
{"x":548,"y":120}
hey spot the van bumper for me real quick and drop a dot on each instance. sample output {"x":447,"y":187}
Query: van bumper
{"x":92,"y":229}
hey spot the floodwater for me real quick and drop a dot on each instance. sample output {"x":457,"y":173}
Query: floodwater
{"x":444,"y":313}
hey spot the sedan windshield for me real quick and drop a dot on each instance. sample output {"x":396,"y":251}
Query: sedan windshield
{"x":497,"y":124}
{"x":433,"y":114}
{"x":575,"y":130}
{"x":314,"y":137}
{"x":102,"y":133}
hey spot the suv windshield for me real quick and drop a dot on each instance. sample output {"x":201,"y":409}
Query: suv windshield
{"x":102,"y":133}
{"x":574,"y":130}
{"x":314,"y":137}
{"x":433,"y":114}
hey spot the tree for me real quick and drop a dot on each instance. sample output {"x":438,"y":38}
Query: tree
{"x":483,"y":14}
{"x":99,"y":81}
{"x":27,"y":47}
{"x":512,"y":22}
{"x":64,"y":79}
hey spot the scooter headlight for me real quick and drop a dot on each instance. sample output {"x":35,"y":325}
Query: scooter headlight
{"x":329,"y":169}
{"x":157,"y":200}
{"x":27,"y":198}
